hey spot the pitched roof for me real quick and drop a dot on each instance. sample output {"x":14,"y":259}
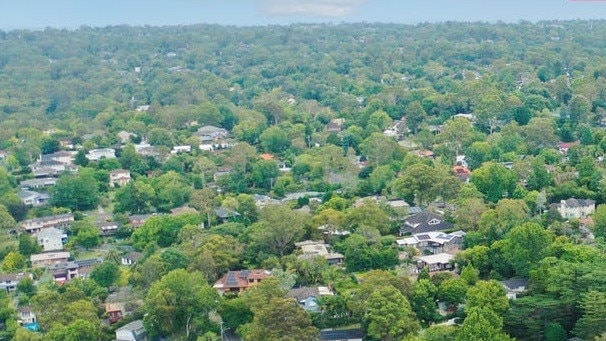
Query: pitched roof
{"x":573,"y":202}
{"x":240,"y":279}
{"x":302,"y":293}
{"x":515,"y":283}
{"x":424,"y":222}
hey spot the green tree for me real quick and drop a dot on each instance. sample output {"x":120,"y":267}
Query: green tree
{"x":281,"y":319}
{"x":415,"y":115}
{"x":13,"y":261}
{"x":593,"y":321}
{"x":179,"y":302}
{"x":389,"y":315}
{"x":135,"y":197}
{"x":379,"y":148}
{"x":6,"y":219}
{"x":416,"y":184}
{"x":278,"y":228}
{"x":76,"y":191}
{"x":423,"y":300}
{"x":274,"y":140}
{"x":28,"y":245}
{"x":494,"y":181}
{"x":488,"y":294}
{"x":482,"y":324}
{"x":440,"y":333}
{"x":105,"y":274}
{"x":453,"y":290}
{"x":88,"y":237}
{"x":526,"y":245}
{"x":599,"y":219}
{"x":26,"y":287}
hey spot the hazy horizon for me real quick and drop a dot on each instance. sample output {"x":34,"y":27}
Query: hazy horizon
{"x":70,"y":14}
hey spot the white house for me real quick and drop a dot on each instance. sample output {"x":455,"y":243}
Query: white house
{"x":181,"y":149}
{"x":119,"y":177}
{"x":98,"y":154}
{"x":576,"y":208}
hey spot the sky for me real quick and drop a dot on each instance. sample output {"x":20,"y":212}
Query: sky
{"x":38,"y":14}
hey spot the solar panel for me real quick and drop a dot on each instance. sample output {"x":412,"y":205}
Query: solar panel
{"x":423,"y":237}
{"x":244,"y":273}
{"x":231,"y":279}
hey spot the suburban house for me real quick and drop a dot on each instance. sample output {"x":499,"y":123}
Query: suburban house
{"x":119,"y":178}
{"x":131,"y":258}
{"x":64,"y":272}
{"x":26,"y":315}
{"x":437,"y":262}
{"x":38,"y":183}
{"x":564,"y":147}
{"x":514,"y":287}
{"x":134,"y":331}
{"x":103,"y":153}
{"x":48,"y":258}
{"x":8,"y":282}
{"x":225,"y":214}
{"x":49,"y":165}
{"x":36,"y":225}
{"x":145,"y":149}
{"x":434,"y":242}
{"x":124,"y":136}
{"x":114,"y":311}
{"x":424,"y":222}
{"x":180,"y":149}
{"x":136,"y":220}
{"x":335,"y":125}
{"x":462,"y":173}
{"x":107,"y":228}
{"x":576,"y":208}
{"x":33,"y":198}
{"x":51,"y":239}
{"x":238,"y":281}
{"x":209,"y":133}
{"x":308,"y":296}
{"x":311,"y":249}
{"x":342,"y":335}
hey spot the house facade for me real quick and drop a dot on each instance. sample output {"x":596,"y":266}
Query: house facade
{"x":119,"y":178}
{"x":36,"y":225}
{"x":33,"y":198}
{"x":576,"y":208}
{"x":48,"y":258}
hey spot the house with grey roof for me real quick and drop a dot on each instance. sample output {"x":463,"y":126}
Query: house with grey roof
{"x":424,"y":222}
{"x":33,"y":198}
{"x":134,"y":331}
{"x":576,"y":208}
{"x":307,"y":297}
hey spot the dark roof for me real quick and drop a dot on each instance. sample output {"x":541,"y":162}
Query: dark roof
{"x":514,"y":283}
{"x":424,"y":222}
{"x":339,"y":335}
{"x":301,"y":294}
{"x":225,"y":213}
{"x":572,"y":202}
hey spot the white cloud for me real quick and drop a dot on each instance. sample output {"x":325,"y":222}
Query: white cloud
{"x":324,"y":8}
